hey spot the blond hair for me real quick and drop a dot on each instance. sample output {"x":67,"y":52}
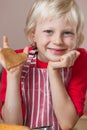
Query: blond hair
{"x":43,"y":9}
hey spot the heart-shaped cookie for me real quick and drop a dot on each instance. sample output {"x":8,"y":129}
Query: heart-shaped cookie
{"x":13,"y":59}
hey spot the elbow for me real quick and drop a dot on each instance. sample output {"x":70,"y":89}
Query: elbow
{"x":11,"y":117}
{"x":67,"y":125}
{"x":12,"y":121}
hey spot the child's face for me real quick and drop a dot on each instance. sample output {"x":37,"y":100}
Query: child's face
{"x":54,"y":38}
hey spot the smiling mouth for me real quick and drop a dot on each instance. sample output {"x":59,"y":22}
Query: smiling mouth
{"x":57,"y":51}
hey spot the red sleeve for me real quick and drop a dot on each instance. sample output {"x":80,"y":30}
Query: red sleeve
{"x":78,"y":84}
{"x":3,"y":88}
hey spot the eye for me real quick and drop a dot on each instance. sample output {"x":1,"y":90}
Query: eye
{"x":68,"y":33}
{"x":49,"y":32}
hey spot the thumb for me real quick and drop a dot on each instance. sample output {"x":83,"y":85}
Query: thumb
{"x":5,"y":42}
{"x":25,"y":50}
{"x":77,"y":53}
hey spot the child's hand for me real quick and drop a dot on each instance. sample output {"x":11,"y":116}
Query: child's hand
{"x":9,"y":59}
{"x":66,"y":60}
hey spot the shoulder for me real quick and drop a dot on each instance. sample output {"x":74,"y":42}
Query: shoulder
{"x":80,"y":65}
{"x":79,"y":69}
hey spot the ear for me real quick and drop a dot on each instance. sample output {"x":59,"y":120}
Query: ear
{"x":33,"y":35}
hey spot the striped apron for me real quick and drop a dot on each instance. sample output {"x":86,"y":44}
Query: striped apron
{"x":36,"y":94}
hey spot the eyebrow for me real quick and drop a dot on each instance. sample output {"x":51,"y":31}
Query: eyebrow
{"x":70,"y":29}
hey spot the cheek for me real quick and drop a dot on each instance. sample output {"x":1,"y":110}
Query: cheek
{"x":70,"y":42}
{"x":41,"y":39}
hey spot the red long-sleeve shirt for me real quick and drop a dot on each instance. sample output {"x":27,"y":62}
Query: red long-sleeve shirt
{"x":75,"y":82}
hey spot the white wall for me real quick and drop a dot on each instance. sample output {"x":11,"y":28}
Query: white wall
{"x":13,"y":15}
{"x":12,"y":21}
{"x":83,"y":5}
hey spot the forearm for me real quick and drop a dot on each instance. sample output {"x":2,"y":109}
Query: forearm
{"x":12,"y":111}
{"x":62,"y":104}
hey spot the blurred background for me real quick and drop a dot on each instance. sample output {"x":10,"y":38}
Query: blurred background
{"x":13,"y":15}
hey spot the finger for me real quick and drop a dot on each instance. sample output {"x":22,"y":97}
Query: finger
{"x":67,"y":60}
{"x":25,"y":50}
{"x":17,"y":68}
{"x":5,"y":42}
{"x":57,"y":65}
{"x":74,"y":56}
{"x":77,"y":53}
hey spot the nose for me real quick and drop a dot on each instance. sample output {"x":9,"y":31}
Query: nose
{"x":58,"y":40}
